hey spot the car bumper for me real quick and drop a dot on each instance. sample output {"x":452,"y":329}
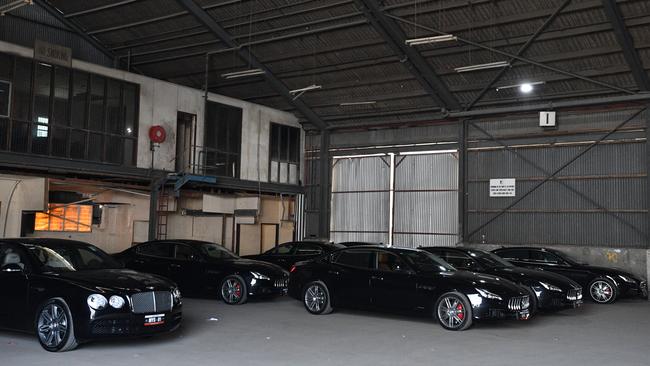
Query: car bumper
{"x":560,"y":300}
{"x":121,"y":325}
{"x":274,"y":286}
{"x":498,"y":309}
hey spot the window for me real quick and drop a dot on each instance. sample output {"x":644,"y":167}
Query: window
{"x":163,"y":250}
{"x":390,"y":262}
{"x":184,"y":252}
{"x":222,"y":148}
{"x":513,"y":254}
{"x":11,"y":255}
{"x":67,"y":113}
{"x":544,"y":257}
{"x":356,"y":258}
{"x":62,"y":217}
{"x":284,"y":249}
{"x":308,"y":249}
{"x":458,"y":260}
{"x":284,"y":154}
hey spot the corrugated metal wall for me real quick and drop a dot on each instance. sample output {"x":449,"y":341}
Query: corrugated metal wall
{"x":426,"y":200}
{"x":360,"y":199}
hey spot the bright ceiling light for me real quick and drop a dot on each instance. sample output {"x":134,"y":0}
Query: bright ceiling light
{"x":306,"y":89}
{"x":525,"y":87}
{"x":427,"y":40}
{"x":491,"y":65}
{"x":243,"y":73}
{"x":358,"y":103}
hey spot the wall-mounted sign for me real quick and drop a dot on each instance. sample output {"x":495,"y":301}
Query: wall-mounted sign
{"x":52,"y":53}
{"x":502,"y":187}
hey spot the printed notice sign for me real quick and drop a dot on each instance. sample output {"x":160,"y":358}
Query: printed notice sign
{"x":502,"y":187}
{"x":52,"y":53}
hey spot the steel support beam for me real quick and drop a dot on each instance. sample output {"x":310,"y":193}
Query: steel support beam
{"x":324,"y":197}
{"x":462,"y":180}
{"x":418,"y":66}
{"x":627,"y":44}
{"x":203,"y":17}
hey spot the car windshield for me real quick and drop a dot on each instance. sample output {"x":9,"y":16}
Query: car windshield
{"x":489,"y":259}
{"x":425,"y":261}
{"x":568,"y":258}
{"x":70,"y":258}
{"x":216,"y":251}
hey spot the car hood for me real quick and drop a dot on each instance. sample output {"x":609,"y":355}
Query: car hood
{"x":497,"y":285}
{"x":609,"y":271}
{"x":117,"y":280}
{"x":526,"y":275}
{"x":257,"y":266}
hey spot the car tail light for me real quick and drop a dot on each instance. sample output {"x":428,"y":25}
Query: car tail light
{"x":293,"y":268}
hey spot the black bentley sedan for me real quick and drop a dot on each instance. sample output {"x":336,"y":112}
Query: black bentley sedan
{"x":604,"y":284}
{"x":69,"y":292}
{"x":404,"y":279}
{"x":285,"y":255}
{"x":204,"y":268}
{"x":547,"y":290}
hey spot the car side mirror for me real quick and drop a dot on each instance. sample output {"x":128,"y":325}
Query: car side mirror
{"x":12,"y":267}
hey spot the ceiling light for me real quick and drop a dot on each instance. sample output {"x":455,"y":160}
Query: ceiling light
{"x":305,"y":89}
{"x":526,"y":87}
{"x":427,"y":40}
{"x":491,"y":65}
{"x":244,"y":73}
{"x":358,"y":103}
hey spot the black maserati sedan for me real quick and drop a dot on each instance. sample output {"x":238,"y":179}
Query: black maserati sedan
{"x":69,"y":292}
{"x":604,"y":284}
{"x":285,"y":255}
{"x":547,"y":290}
{"x":203,"y":268}
{"x":405,"y":280}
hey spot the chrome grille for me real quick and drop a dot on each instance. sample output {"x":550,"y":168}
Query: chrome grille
{"x":151,"y":302}
{"x":574,"y":294}
{"x":518,"y":303}
{"x":280,"y":283}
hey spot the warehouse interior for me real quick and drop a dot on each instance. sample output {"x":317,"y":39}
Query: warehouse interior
{"x":406,"y":123}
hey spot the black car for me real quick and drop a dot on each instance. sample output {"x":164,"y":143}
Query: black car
{"x":547,"y":290}
{"x":605,"y":285}
{"x":69,"y":292}
{"x":360,"y":243}
{"x":285,"y":255}
{"x":202,"y":268}
{"x":406,"y":280}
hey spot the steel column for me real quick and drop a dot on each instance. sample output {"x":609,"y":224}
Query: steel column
{"x":462,"y":180}
{"x":324,"y":185}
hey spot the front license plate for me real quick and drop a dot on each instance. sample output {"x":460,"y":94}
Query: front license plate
{"x":577,"y":304}
{"x":155,"y":319}
{"x":523,"y":315}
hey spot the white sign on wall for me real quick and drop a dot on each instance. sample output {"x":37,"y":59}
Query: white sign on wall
{"x":502,"y":187}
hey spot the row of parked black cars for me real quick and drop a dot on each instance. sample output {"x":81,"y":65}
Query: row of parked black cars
{"x":69,"y":292}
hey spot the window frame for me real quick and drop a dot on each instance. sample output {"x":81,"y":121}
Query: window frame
{"x":64,"y":218}
{"x":214,"y":130}
{"x":9,"y":98}
{"x":373,"y":267}
{"x":172,"y":250}
{"x":279,"y":149}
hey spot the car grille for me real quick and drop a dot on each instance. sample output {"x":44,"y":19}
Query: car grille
{"x":108,"y":327}
{"x":574,"y":294}
{"x":151,"y":302}
{"x":280,"y":283}
{"x":518,"y":303}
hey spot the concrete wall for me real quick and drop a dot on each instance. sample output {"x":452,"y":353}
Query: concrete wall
{"x":18,"y":194}
{"x":159,"y":103}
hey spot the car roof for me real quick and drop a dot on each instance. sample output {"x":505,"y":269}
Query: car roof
{"x":46,"y":242}
{"x":527,"y":248}
{"x":179,"y":241}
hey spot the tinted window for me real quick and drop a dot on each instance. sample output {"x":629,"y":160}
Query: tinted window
{"x":284,"y":249}
{"x":216,"y":251}
{"x":426,"y":261}
{"x":63,"y":257}
{"x":514,"y":254}
{"x":544,"y":257}
{"x":390,"y":262}
{"x":184,"y":252}
{"x":457,"y":259}
{"x":308,"y":249}
{"x":156,"y":250}
{"x":11,"y":255}
{"x":356,"y":258}
{"x":489,"y":259}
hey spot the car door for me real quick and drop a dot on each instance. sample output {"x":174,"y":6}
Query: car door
{"x":14,"y":285}
{"x":186,"y":268}
{"x":393,"y":283}
{"x":152,"y":257}
{"x":350,"y":274}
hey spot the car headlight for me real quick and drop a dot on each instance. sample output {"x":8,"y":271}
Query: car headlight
{"x":176,"y":294}
{"x":97,"y":301}
{"x":260,"y":276}
{"x":627,"y":279}
{"x":550,"y":287}
{"x":116,"y":302}
{"x":488,"y":295}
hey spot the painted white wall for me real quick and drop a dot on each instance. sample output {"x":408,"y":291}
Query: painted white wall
{"x":18,"y":194}
{"x":159,"y":103}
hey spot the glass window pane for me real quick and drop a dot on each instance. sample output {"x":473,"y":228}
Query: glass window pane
{"x":114,"y":118}
{"x":5,"y":89}
{"x":40,"y":136}
{"x":4,"y":130}
{"x":294,"y":145}
{"x":59,"y":141}
{"x":275,"y":142}
{"x":95,"y":147}
{"x":6,"y":66}
{"x":130,"y":106}
{"x":234,"y":133}
{"x":114,"y":149}
{"x":19,"y":134}
{"x":77,"y":144}
{"x":96,"y":118}
{"x":71,"y":222}
{"x":129,"y":152}
{"x":79,"y":99}
{"x":42,"y":85}
{"x":61,"y":96}
{"x":22,"y":87}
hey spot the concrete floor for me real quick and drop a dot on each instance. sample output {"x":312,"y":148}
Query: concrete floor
{"x":281,"y":332}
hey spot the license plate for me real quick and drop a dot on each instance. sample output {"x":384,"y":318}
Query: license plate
{"x":577,"y":304}
{"x":523,"y":315}
{"x":155,"y":319}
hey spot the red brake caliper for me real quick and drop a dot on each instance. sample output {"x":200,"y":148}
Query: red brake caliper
{"x":461,"y":311}
{"x":237,"y":290}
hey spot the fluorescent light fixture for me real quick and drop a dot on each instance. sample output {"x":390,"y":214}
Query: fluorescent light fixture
{"x":242,"y":74}
{"x":358,"y":103}
{"x":525,"y":87}
{"x":491,"y":65}
{"x":427,"y":40}
{"x":305,"y":89}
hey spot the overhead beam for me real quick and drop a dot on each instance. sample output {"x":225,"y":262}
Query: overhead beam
{"x":203,"y":17}
{"x":419,"y":67}
{"x":627,"y":44}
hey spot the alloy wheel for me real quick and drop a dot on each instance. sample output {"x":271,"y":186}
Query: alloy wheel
{"x":231,"y":290}
{"x":451,"y":312}
{"x":52,"y":325}
{"x":601,"y":291}
{"x":315,"y":298}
